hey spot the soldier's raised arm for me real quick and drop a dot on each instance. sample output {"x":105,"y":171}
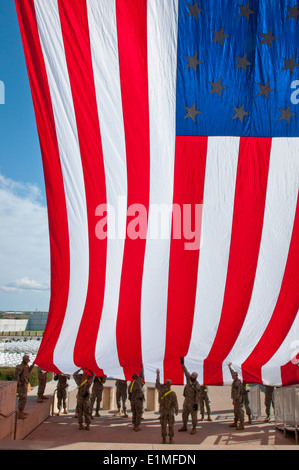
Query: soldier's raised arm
{"x":186,"y":372}
{"x":158,"y":384}
{"x":232,"y":371}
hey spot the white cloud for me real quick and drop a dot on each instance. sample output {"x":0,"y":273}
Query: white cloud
{"x":25,"y":284}
{"x":24,"y":247}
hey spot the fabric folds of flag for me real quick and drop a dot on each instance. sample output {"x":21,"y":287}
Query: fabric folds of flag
{"x":169,"y":135}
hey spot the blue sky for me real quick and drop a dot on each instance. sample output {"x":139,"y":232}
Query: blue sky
{"x":24,"y":244}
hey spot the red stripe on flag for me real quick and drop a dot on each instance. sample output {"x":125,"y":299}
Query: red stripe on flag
{"x":57,"y":214}
{"x":289,"y":374}
{"x":189,"y":176}
{"x":75,"y":31}
{"x":131,"y":21}
{"x":284,"y":314}
{"x":250,"y":196}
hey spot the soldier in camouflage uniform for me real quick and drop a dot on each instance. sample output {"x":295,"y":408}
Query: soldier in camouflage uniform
{"x":237,"y":398}
{"x":245,"y":398}
{"x":268,"y":401}
{"x":121,"y":396}
{"x":136,"y":397}
{"x":97,"y":394}
{"x":84,"y":382}
{"x":204,"y":401}
{"x":168,"y":408}
{"x":246,"y":403}
{"x":191,"y":394}
{"x":42,"y":381}
{"x":61,"y":391}
{"x":22,"y":373}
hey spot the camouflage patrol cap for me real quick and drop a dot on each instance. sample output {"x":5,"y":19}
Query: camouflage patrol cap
{"x":168,"y":381}
{"x":194,"y":375}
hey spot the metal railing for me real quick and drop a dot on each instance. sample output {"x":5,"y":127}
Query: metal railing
{"x":286,"y":403}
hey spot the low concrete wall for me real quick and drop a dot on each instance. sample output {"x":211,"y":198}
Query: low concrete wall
{"x":8,"y":392}
{"x":108,"y":403}
{"x":36,"y":322}
{"x":37,"y":414}
{"x":13,"y":325}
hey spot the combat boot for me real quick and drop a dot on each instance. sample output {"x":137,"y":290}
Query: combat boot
{"x":240,"y":427}
{"x":171,"y":440}
{"x":209,"y":417}
{"x":233,"y":425}
{"x":183,"y":428}
{"x":97,"y":414}
{"x":202,"y":417}
{"x":21,"y":415}
{"x":125,"y":414}
{"x":65,"y":412}
{"x":118,"y":413}
{"x":193,"y":430}
{"x":249,"y":419}
{"x":163,"y":440}
{"x":87,"y":427}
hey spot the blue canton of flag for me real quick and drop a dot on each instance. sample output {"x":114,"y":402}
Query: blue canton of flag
{"x":237,"y":67}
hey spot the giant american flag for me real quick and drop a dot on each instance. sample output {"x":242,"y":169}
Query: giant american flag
{"x":180,"y":104}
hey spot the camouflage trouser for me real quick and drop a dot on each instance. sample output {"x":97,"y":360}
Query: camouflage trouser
{"x":83,"y":410}
{"x":246,"y":404}
{"x":202,"y":402}
{"x":22,"y":393}
{"x":238,"y":411}
{"x":42,"y":385}
{"x":137,"y":410}
{"x":188,"y":408}
{"x":96,"y":396}
{"x":121,"y":396}
{"x":167,"y":418}
{"x":61,"y":398}
{"x":268,"y":402}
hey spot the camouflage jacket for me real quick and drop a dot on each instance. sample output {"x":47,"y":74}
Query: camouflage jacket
{"x":191,"y":389}
{"x":62,"y":381}
{"x":167,"y":398}
{"x":83,"y":384}
{"x":237,"y":390}
{"x":135,"y":388}
{"x":22,"y":373}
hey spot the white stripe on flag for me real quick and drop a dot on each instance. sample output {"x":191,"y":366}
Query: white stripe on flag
{"x":104,"y":51}
{"x":218,"y":204}
{"x":162,"y":23}
{"x":50,"y":33}
{"x":279,"y":216}
{"x":271,"y":371}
